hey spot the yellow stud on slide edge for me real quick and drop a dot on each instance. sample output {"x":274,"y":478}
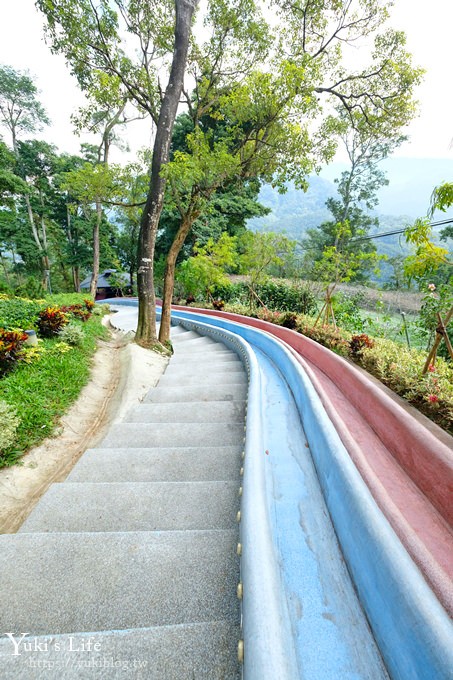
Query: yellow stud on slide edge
{"x":238,"y":516}
{"x":240,"y":491}
{"x":239,"y":591}
{"x":241,"y":651}
{"x":239,"y":549}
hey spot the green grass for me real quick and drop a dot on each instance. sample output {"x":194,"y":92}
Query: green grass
{"x":43,"y":390}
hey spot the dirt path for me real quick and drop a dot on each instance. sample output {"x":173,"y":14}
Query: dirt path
{"x":122,"y":373}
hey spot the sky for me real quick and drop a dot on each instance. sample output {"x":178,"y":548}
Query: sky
{"x":428,"y":29}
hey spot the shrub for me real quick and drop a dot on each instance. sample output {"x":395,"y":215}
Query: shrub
{"x":50,"y":321}
{"x":218,"y":304}
{"x":76,"y":311}
{"x":100,"y":310}
{"x":358,"y":343}
{"x":276,"y":294}
{"x":32,"y":288}
{"x":334,"y":338}
{"x":11,"y":343}
{"x":72,"y":335}
{"x":89,"y":304}
{"x":347,"y":311}
{"x":10,"y":422}
{"x":18,"y":313}
{"x":400,"y":369}
{"x":289,"y":320}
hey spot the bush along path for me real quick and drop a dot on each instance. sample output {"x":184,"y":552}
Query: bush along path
{"x":38,"y":383}
{"x":134,"y":555}
{"x":396,"y":366}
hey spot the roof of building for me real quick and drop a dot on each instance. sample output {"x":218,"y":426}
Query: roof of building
{"x":103,"y":279}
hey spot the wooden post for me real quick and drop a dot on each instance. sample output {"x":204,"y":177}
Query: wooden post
{"x":441,"y":332}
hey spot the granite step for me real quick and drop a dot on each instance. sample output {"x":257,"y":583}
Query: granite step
{"x":212,"y":358}
{"x":173,"y":434}
{"x":205,"y":651}
{"x":135,"y":506}
{"x":219,"y":463}
{"x":202,"y":369}
{"x":188,"y":378}
{"x":55,"y":583}
{"x":189,"y":411}
{"x":224,"y":392}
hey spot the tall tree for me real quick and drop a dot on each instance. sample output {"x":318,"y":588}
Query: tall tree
{"x":20,"y":112}
{"x":103,"y":122}
{"x":90,"y":37}
{"x":356,"y":201}
{"x":250,"y":73}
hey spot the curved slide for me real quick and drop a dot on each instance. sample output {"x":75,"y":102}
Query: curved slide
{"x":345,"y":520}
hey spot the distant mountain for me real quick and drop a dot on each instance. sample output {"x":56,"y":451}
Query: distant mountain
{"x":411,"y":181}
{"x":407,"y":196}
{"x":294,"y":211}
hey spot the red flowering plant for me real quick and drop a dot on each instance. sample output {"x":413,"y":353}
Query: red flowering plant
{"x":11,"y":343}
{"x":89,"y":304}
{"x":359,"y":343}
{"x":76,"y":311}
{"x":50,"y":321}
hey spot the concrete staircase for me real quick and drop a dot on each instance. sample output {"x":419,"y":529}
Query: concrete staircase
{"x":130,"y":564}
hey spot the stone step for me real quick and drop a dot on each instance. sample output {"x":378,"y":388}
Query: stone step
{"x":177,"y":330}
{"x":173,"y":434}
{"x":203,"y":369}
{"x":219,"y":463}
{"x":135,"y":506}
{"x":198,"y":650}
{"x":188,"y":412}
{"x":221,"y":358}
{"x":196,"y":346}
{"x":186,"y":336}
{"x":223,"y":392}
{"x":210,"y":378}
{"x":66,"y":582}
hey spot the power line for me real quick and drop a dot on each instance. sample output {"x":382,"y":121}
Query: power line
{"x":397,"y":231}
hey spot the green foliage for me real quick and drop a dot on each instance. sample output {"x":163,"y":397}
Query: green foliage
{"x":441,"y":198}
{"x":429,"y":257}
{"x":42,"y":390}
{"x":436,"y":300}
{"x":348,"y":311}
{"x":335,"y":339}
{"x":357,"y":197}
{"x":20,"y":111}
{"x":259,"y":253}
{"x":19,"y":313}
{"x":205,"y":271}
{"x":339,"y":265}
{"x":400,"y":369}
{"x":10,"y":423}
{"x":275,"y":294}
{"x":11,"y":343}
{"x":32,"y":289}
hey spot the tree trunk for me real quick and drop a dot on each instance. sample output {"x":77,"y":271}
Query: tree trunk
{"x":76,"y":278}
{"x":36,"y":237}
{"x":7,"y":279}
{"x":169,"y":274}
{"x":96,"y":228}
{"x":146,"y":328}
